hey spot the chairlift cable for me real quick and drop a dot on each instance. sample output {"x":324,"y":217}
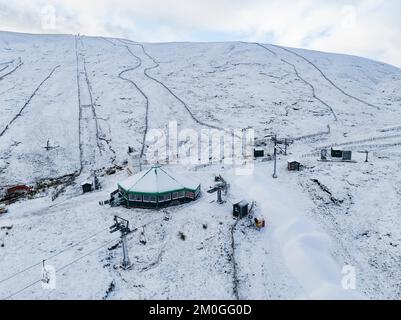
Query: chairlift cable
{"x":50,"y":257}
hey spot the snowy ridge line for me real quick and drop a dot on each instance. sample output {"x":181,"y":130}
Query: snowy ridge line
{"x":52,"y":256}
{"x":262,"y":46}
{"x":327,"y":78}
{"x":359,"y":141}
{"x":200,"y":122}
{"x":120,"y":75}
{"x":28,"y":101}
{"x":108,"y":40}
{"x":13,"y":70}
{"x":60,"y":269}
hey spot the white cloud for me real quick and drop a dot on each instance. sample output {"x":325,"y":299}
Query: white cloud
{"x":369,"y":28}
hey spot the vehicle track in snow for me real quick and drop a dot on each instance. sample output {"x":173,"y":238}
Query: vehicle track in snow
{"x":310,"y":85}
{"x":92,"y":105}
{"x":79,"y":107}
{"x":26,"y":104}
{"x":83,"y":151}
{"x":156,"y":65}
{"x":99,"y":135}
{"x":312,"y":88}
{"x":234,"y":262}
{"x":19,"y":65}
{"x":88,"y":123}
{"x":122,"y":77}
{"x":7,"y":62}
{"x":326,"y":77}
{"x":3,"y":68}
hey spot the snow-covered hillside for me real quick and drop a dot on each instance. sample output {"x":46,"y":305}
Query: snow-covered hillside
{"x":90,"y":98}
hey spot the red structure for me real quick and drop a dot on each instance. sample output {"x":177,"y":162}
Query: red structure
{"x":17,"y":190}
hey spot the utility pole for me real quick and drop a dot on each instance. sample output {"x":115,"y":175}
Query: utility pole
{"x":122,"y":225}
{"x":367,"y":156}
{"x":275,"y":158}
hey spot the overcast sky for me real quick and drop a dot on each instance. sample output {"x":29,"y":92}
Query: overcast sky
{"x":370,"y":28}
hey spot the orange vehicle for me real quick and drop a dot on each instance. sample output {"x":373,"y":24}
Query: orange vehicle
{"x":260,"y":223}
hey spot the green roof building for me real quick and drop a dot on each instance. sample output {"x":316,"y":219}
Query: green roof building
{"x":157,"y":187}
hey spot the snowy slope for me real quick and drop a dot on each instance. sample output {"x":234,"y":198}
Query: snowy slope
{"x":92,"y":97}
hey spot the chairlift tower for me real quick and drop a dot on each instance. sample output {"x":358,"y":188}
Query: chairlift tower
{"x":122,"y":225}
{"x":275,"y":158}
{"x":221,"y":186}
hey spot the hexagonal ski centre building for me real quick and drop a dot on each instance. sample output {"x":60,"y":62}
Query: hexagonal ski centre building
{"x":157,"y":187}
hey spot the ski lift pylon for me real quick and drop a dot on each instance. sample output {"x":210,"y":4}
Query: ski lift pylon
{"x":142,"y":237}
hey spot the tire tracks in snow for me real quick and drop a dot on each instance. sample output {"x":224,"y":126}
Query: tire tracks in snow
{"x":310,"y":85}
{"x":99,"y":136}
{"x":121,"y":76}
{"x":7,"y":62}
{"x":79,"y":108}
{"x":312,"y":88}
{"x":92,"y":105}
{"x":19,"y":114}
{"x":4,"y":68}
{"x":72,"y":177}
{"x":19,"y":65}
{"x":326,"y":77}
{"x":156,"y":65}
{"x":94,"y":117}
